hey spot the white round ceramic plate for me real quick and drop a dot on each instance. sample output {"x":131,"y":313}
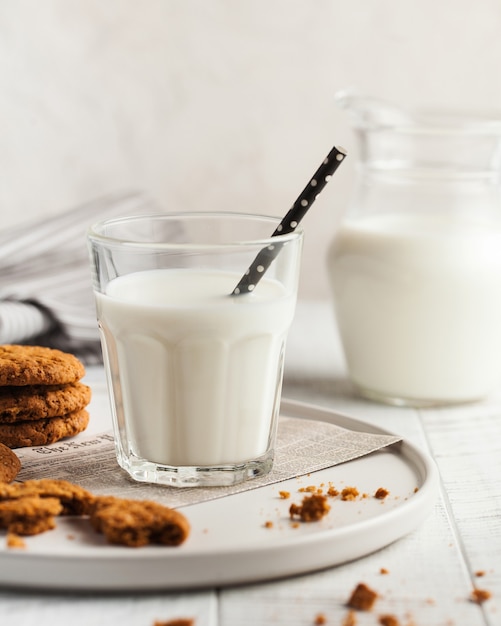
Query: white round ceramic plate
{"x":245,"y":537}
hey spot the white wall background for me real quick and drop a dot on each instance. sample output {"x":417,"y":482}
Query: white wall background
{"x":219,"y":104}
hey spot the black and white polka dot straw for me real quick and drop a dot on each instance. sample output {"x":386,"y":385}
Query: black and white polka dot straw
{"x":291,"y":220}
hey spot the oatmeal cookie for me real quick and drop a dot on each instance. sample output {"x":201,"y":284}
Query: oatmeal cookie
{"x":75,"y":500}
{"x":29,"y":516}
{"x":44,"y":431}
{"x":137,"y":523}
{"x":33,"y":402}
{"x":37,"y":365}
{"x":9,"y":464}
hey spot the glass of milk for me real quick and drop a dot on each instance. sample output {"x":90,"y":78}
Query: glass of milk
{"x":194,"y":372}
{"x":415,"y":266}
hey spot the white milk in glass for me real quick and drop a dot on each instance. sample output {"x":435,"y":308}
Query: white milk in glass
{"x":196,"y":373}
{"x":418,"y":305}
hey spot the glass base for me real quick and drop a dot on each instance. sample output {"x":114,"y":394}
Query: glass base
{"x":416,"y":403}
{"x":192,"y":476}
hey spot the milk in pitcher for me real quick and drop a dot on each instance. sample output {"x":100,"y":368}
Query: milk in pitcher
{"x":417,"y":299}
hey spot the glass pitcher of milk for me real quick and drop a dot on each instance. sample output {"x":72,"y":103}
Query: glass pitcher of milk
{"x":415,"y":265}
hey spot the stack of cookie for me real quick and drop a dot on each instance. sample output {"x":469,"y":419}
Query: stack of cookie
{"x":42,"y":399}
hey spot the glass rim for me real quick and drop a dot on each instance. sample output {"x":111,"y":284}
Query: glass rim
{"x":94,"y":235}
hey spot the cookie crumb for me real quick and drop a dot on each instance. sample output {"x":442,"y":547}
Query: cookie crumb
{"x":285,"y":495}
{"x":479,"y":596}
{"x":349,"y":493}
{"x":311,"y":509}
{"x":14,"y":541}
{"x":381,"y":493}
{"x":480,"y":573}
{"x":384,"y":571}
{"x":332,"y":491}
{"x":350,"y":619}
{"x":268,"y":524}
{"x":362,"y":598}
{"x":388,"y":620}
{"x":308,"y":489}
{"x":320,"y":619}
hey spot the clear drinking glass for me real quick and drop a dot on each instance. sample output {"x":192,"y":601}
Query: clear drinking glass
{"x":415,"y":266}
{"x":194,"y":372}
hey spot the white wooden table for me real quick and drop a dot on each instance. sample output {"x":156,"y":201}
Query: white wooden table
{"x":430,"y":573}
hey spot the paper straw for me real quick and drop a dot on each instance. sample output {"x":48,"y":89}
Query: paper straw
{"x":291,"y":220}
